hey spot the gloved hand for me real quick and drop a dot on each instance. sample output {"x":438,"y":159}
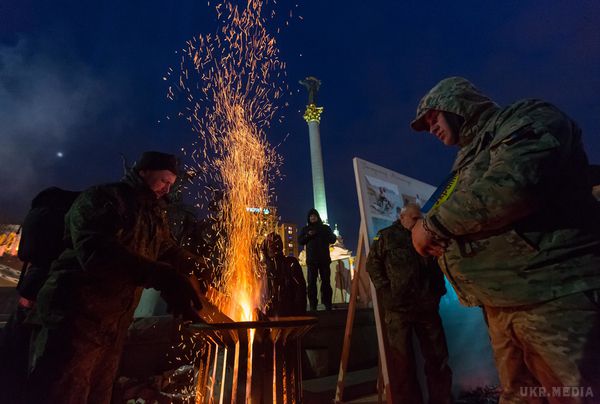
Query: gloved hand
{"x":177,"y":290}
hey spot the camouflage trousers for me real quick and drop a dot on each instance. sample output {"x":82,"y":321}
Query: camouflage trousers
{"x":550,"y":352}
{"x":426,"y":324}
{"x":75,"y":364}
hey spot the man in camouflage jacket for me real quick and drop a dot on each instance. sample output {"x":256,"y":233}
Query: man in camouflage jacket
{"x":410,"y":288}
{"x":516,"y":233}
{"x":119,"y":242}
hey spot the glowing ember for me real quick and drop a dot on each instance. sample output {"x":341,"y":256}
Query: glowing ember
{"x":231,"y":81}
{"x":226,"y":80}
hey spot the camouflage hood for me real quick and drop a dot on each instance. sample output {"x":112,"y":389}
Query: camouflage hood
{"x":458,"y":96}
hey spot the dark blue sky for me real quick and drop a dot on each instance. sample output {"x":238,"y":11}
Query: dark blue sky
{"x":85,"y":79}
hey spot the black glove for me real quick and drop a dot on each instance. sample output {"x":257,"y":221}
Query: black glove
{"x":177,"y":290}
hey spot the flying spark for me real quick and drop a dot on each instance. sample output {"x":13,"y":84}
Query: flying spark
{"x":231,"y":82}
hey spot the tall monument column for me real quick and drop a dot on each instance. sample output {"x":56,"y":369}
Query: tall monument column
{"x":312,"y":116}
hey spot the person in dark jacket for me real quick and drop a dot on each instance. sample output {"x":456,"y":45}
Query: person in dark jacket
{"x":286,"y":287}
{"x":317,"y":237}
{"x":41,"y":242}
{"x":118,"y":243}
{"x":409,"y":288}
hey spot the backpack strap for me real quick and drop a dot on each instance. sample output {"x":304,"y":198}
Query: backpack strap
{"x":23,"y":272}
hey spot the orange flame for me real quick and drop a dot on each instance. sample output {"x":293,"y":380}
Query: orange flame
{"x":239,"y":78}
{"x":230,"y":113}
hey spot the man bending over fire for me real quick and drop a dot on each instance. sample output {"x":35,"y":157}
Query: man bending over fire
{"x":118,"y":243}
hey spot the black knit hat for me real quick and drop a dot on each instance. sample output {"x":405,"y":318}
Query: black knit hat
{"x":153,"y":160}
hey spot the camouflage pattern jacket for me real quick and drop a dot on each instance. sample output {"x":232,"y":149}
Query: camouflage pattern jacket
{"x":521,"y":219}
{"x":402,"y":277}
{"x":116,"y":232}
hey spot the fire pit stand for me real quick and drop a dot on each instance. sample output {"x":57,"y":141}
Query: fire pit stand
{"x":269,"y":370}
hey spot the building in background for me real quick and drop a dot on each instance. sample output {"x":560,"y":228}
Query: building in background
{"x":10,"y":236}
{"x":289,"y":234}
{"x":10,"y":270}
{"x":267,"y":220}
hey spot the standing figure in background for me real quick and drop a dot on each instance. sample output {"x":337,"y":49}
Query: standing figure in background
{"x":286,"y":288}
{"x":317,"y":237}
{"x":409,"y":288}
{"x":41,"y":243}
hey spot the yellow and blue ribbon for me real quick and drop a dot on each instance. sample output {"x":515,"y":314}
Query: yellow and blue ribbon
{"x":442,"y":193}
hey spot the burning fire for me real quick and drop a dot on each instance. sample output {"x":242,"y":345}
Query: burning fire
{"x":231,"y":81}
{"x":227,"y":80}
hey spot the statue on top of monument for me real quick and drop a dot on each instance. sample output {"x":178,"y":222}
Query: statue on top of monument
{"x":312,"y":85}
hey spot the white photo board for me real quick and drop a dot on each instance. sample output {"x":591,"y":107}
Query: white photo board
{"x":381,"y":193}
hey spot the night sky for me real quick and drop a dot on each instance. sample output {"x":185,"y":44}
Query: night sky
{"x":85,"y":79}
